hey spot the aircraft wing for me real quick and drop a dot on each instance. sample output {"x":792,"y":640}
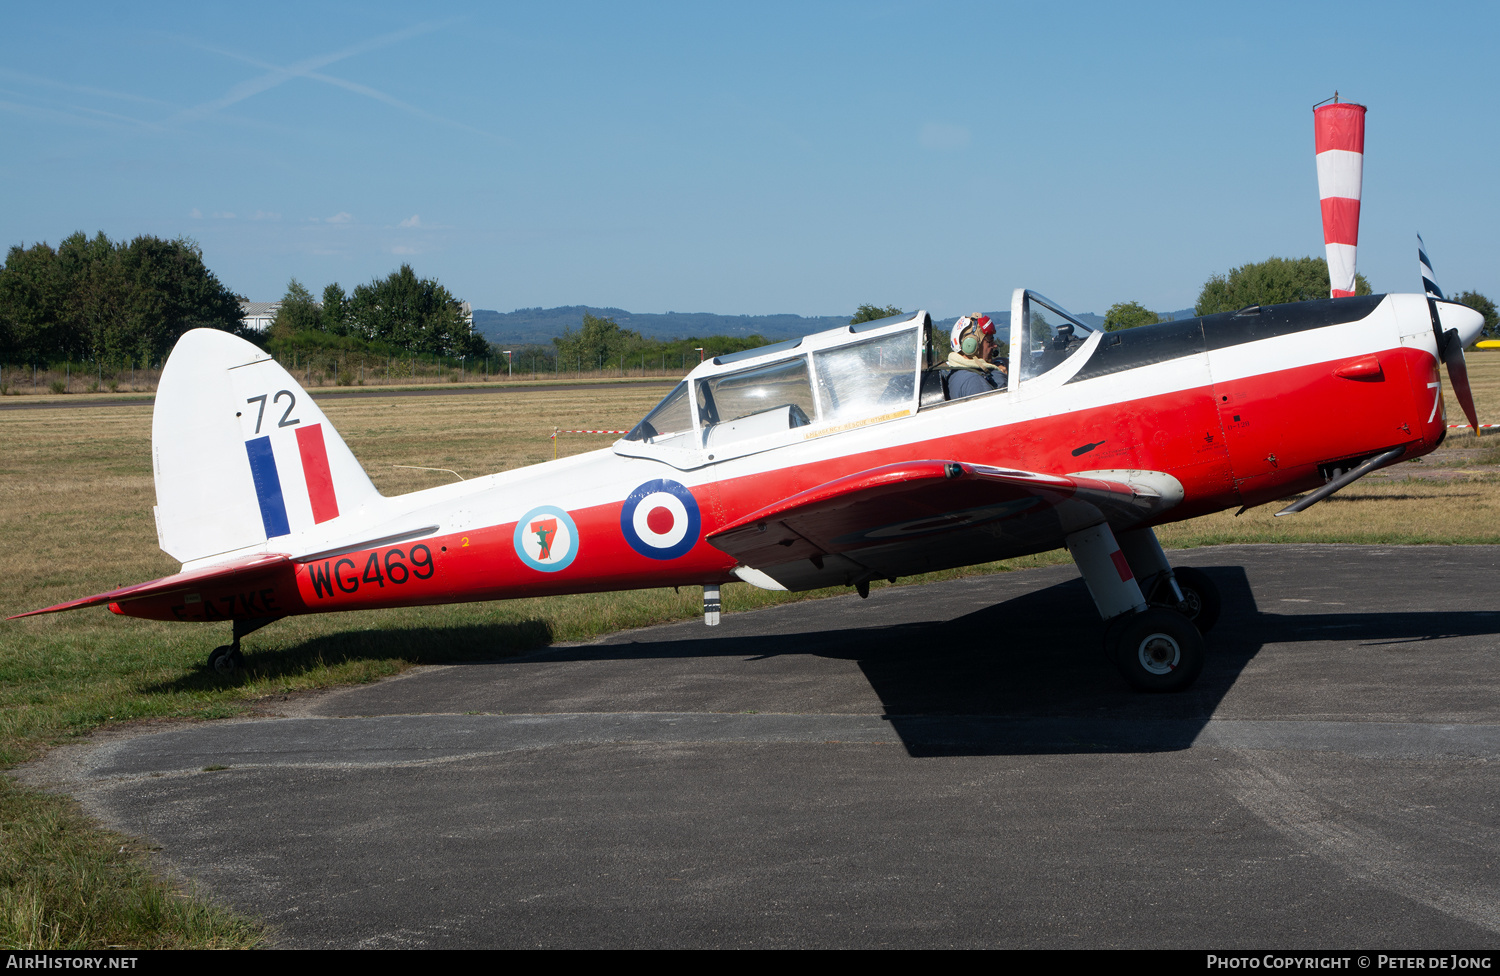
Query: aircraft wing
{"x":243,"y":569}
{"x":918,"y":516}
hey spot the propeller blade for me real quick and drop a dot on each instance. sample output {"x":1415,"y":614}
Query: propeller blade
{"x":1454,"y":326}
{"x":1458,"y":375}
{"x":1424,"y":265}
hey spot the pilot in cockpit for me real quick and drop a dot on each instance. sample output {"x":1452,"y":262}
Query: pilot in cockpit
{"x":973,"y":342}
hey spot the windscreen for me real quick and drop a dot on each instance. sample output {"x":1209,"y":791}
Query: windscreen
{"x":1043,"y":336}
{"x":672,"y":415}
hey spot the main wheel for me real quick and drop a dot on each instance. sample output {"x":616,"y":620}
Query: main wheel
{"x":225,"y":659}
{"x":1157,"y":650}
{"x":1200,"y":598}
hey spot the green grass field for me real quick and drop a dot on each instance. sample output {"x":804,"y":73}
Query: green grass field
{"x":76,"y":519}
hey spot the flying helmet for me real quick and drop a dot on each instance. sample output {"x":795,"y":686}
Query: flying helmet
{"x":970,"y":331}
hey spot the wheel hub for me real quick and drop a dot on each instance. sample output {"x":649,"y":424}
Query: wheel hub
{"x":1159,"y":654}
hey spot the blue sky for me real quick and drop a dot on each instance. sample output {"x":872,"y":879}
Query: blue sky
{"x":752,"y":158}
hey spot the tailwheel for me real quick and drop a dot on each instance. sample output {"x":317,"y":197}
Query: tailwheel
{"x":1156,"y":650}
{"x":226,"y":659}
{"x":1200,"y":598}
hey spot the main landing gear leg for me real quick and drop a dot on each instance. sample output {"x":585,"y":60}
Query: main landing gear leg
{"x":1186,"y":590}
{"x":1155,"y":648}
{"x":227,"y":659}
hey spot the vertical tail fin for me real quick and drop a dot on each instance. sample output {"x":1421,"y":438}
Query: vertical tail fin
{"x":241,"y":454}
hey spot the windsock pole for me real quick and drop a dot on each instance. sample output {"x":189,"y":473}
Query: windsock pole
{"x":1339,"y":129}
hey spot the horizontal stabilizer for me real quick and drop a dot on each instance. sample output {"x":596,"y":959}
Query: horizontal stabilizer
{"x":236,"y":572}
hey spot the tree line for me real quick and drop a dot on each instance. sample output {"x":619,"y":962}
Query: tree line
{"x":125,"y":304}
{"x":115,"y":303}
{"x":602,"y":344}
{"x":401,"y":311}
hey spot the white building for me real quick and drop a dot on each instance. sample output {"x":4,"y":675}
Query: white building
{"x":258,"y":315}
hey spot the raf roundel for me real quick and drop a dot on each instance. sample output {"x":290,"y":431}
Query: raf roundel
{"x":660,"y":520}
{"x":546,"y":539}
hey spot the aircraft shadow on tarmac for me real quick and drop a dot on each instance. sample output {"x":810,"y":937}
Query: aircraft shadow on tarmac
{"x":1026,"y":676}
{"x":1029,"y":675}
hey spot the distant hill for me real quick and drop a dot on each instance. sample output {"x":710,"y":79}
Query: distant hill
{"x":540,"y":325}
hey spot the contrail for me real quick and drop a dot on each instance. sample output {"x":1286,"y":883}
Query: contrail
{"x":360,"y":89}
{"x":106,"y":120}
{"x":82,"y":89}
{"x":275,"y":76}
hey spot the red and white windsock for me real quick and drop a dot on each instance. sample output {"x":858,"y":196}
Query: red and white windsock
{"x":1340,"y":132}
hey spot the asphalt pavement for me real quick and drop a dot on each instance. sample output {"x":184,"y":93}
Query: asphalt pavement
{"x":946,"y":765}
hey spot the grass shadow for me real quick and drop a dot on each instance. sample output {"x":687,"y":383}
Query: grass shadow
{"x":452,"y":644}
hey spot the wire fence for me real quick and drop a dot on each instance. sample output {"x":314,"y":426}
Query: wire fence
{"x":556,"y":431}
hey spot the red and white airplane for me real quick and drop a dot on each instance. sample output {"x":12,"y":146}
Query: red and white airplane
{"x":835,"y":459}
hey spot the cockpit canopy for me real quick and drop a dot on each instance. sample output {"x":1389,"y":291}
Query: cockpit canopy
{"x":856,"y":375}
{"x":832,"y":381}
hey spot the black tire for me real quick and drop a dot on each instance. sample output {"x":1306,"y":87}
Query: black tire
{"x":1158,"y":650}
{"x":1201,"y":601}
{"x":1111,"y":631}
{"x":225,"y":660}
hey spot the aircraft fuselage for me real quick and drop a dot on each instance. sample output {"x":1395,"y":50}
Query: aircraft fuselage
{"x":1240,"y":409}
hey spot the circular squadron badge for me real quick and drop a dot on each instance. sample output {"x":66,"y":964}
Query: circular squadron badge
{"x":546,"y":539}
